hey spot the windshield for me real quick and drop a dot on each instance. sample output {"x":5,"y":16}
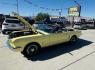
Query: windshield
{"x":47,"y":28}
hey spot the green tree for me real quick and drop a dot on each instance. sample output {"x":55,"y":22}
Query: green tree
{"x":41,"y":16}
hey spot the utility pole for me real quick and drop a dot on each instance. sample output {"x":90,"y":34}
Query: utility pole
{"x":17,"y":7}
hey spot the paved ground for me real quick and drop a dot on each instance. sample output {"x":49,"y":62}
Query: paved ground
{"x":79,"y":56}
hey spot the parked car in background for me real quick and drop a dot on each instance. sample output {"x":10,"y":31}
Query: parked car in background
{"x":90,"y":25}
{"x":79,"y":25}
{"x":11,"y":24}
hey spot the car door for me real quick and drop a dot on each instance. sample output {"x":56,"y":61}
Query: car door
{"x":55,"y":38}
{"x":59,"y":37}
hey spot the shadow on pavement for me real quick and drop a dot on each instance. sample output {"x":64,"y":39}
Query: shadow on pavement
{"x":57,"y":50}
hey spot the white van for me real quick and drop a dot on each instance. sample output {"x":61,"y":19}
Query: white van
{"x":11,"y":24}
{"x":80,"y":26}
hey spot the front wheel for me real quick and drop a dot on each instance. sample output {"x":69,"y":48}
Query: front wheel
{"x":3,"y":32}
{"x":6,"y":32}
{"x":31,"y":50}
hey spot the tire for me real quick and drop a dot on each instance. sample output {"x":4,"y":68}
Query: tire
{"x":73,"y":39}
{"x":7,"y":32}
{"x":31,"y":50}
{"x":3,"y":32}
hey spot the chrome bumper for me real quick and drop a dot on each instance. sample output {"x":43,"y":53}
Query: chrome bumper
{"x":12,"y":48}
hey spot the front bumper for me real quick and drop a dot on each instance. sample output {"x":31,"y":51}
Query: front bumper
{"x":13,"y":47}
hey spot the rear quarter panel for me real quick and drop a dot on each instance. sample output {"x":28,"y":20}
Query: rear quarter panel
{"x":72,"y":33}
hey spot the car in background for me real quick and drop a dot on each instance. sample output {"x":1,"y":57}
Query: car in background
{"x":80,"y":26}
{"x":11,"y":24}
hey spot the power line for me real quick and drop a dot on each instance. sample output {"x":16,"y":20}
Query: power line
{"x":4,"y":3}
{"x":35,"y":5}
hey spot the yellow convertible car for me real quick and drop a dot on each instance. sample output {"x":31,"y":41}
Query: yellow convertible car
{"x":30,"y":42}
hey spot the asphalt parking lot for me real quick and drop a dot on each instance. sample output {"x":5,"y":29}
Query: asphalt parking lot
{"x":78,"y":56}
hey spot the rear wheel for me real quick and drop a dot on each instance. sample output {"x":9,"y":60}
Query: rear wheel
{"x":73,"y":39}
{"x":31,"y":49}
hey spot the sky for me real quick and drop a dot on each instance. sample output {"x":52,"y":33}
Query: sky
{"x":26,"y":9}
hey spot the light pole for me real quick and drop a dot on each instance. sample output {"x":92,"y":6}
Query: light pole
{"x":60,"y":12}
